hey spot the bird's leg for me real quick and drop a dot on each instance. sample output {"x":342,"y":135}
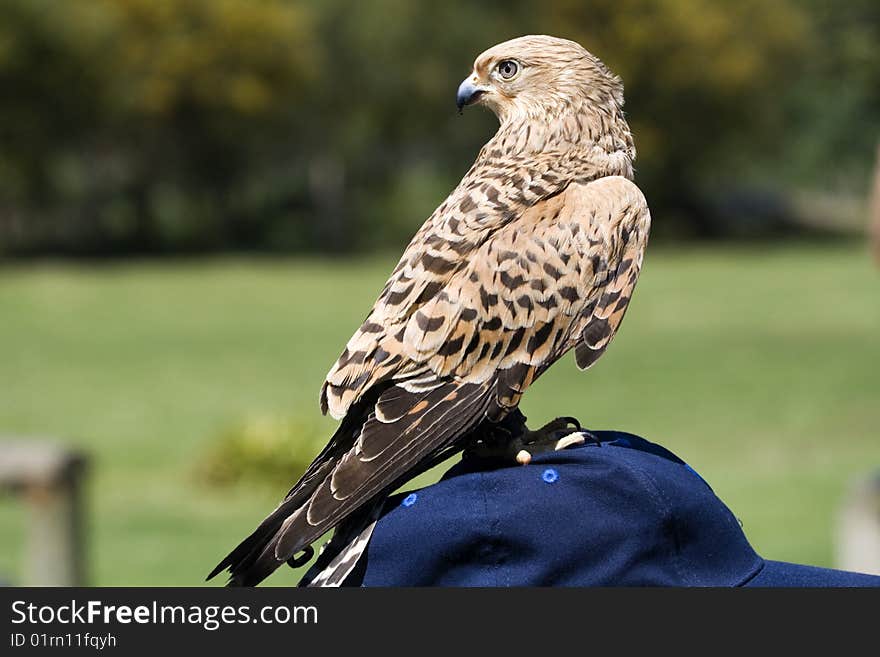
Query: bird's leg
{"x":491,"y":439}
{"x":511,"y":439}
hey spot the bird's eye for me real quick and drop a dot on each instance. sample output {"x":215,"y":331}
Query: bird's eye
{"x":507,"y":68}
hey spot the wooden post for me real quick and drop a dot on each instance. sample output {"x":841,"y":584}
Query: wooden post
{"x":49,"y":478}
{"x":858,"y":530}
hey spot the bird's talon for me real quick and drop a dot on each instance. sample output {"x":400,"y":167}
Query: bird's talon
{"x":297,"y":561}
{"x":573,"y":421}
{"x":593,"y":437}
{"x":569,"y":440}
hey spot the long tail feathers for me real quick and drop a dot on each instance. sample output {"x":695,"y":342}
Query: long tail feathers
{"x":356,"y":467}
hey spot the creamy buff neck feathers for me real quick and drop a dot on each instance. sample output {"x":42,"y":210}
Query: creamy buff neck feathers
{"x":598,"y":140}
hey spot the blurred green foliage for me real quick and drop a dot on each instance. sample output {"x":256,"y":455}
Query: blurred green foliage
{"x":266,"y":451}
{"x":203,"y":125}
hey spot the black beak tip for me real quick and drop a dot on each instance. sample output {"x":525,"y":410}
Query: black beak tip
{"x":467,"y":94}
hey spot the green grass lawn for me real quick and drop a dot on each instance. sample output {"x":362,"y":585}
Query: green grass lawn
{"x":761,"y":367}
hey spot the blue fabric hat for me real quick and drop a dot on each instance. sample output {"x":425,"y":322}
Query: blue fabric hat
{"x":623,"y":513}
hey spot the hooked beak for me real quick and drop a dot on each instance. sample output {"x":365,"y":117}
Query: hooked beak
{"x":468,"y":93}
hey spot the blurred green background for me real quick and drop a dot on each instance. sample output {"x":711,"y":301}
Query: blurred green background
{"x":200,"y":199}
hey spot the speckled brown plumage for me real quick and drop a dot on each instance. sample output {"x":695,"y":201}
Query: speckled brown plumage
{"x":536,"y":252}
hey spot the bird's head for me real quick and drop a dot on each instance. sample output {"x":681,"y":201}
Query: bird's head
{"x":533,"y":77}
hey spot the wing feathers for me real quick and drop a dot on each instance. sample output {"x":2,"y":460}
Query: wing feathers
{"x":601,"y":321}
{"x":441,"y":417}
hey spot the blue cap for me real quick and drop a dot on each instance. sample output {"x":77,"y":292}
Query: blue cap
{"x":627,"y":512}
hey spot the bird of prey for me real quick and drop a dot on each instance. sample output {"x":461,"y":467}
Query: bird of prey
{"x":536,"y":252}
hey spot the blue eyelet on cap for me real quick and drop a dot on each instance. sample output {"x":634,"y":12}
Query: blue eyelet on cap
{"x":550,"y":476}
{"x":409,"y":500}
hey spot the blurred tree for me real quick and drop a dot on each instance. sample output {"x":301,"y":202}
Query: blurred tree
{"x":701,"y":78}
{"x":49,"y":106}
{"x":135,"y":123}
{"x":833,"y":104}
{"x":201,"y":89}
{"x":186,"y":125}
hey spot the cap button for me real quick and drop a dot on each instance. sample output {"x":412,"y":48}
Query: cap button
{"x":550,"y":476}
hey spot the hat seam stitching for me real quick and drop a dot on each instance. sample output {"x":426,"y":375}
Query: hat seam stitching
{"x":493,"y":528}
{"x":666,"y":511}
{"x":762,"y":563}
